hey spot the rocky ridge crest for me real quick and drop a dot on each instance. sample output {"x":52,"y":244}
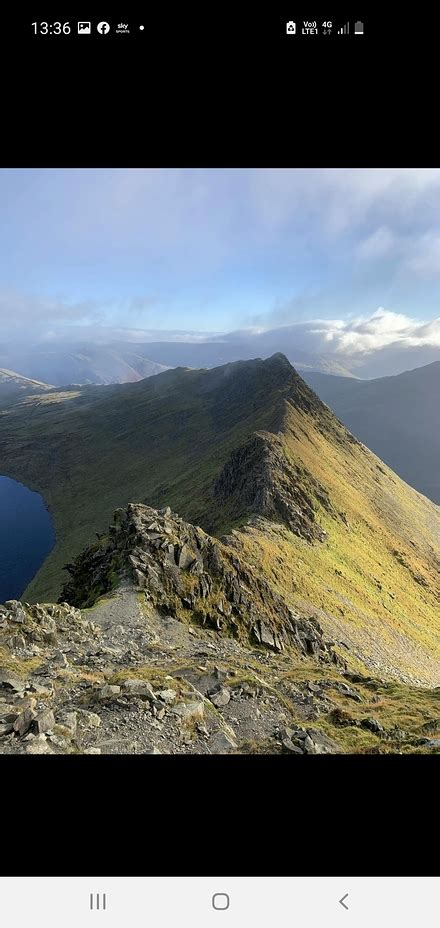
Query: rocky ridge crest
{"x":259,"y":478}
{"x":185,"y":573}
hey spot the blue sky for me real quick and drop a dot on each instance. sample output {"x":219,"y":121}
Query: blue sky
{"x":217,"y":250}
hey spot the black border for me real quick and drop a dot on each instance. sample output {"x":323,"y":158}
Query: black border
{"x":222,"y":88}
{"x":220,"y":816}
{"x":212,"y":94}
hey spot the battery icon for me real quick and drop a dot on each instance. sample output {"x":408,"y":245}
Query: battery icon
{"x":358,"y":28}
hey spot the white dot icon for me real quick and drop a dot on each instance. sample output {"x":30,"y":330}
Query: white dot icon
{"x":141,"y":27}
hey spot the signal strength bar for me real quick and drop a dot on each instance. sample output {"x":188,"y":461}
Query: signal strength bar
{"x":344,"y":30}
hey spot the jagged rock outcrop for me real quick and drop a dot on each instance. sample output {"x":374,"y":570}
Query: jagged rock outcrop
{"x":188,"y":574}
{"x":23,"y":625}
{"x":260,"y":479}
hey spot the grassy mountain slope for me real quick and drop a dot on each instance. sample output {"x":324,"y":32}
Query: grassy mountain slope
{"x":397,"y":417}
{"x":246,"y":450}
{"x":14,"y":386}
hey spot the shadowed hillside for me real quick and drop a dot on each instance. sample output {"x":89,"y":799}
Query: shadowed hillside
{"x":397,"y":417}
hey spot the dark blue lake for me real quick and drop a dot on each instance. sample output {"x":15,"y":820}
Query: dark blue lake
{"x":26,"y":537}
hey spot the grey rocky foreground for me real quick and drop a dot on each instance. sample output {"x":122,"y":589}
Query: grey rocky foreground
{"x":177,"y":649}
{"x":115,"y":680}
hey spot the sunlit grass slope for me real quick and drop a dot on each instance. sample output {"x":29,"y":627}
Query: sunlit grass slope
{"x":374,"y":580}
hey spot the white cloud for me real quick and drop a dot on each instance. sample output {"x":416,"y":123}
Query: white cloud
{"x":361,"y":336}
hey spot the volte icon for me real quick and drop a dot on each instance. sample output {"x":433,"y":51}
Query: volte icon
{"x":98,"y":902}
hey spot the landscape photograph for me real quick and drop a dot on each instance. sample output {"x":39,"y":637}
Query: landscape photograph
{"x":220,"y":461}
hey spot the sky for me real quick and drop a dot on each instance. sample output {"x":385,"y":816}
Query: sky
{"x":351,"y":255}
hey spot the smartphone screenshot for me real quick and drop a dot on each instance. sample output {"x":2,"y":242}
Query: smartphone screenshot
{"x":219,"y":468}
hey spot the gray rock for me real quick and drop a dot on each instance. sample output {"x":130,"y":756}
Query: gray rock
{"x":16,"y":611}
{"x":88,"y":719}
{"x":190,"y":711}
{"x":372,"y":725}
{"x":299,"y":734}
{"x":58,"y":741}
{"x":109,"y":691}
{"x":40,"y":689}
{"x":167,"y":696}
{"x":314,"y":688}
{"x":322,"y":743}
{"x":184,"y":557}
{"x":24,"y":721}
{"x":290,"y":748}
{"x":348,"y":691}
{"x":6,"y":728}
{"x":59,"y":659}
{"x":138,"y":688}
{"x":266,"y":636}
{"x":38,"y":746}
{"x":10,"y":681}
{"x":70,"y":721}
{"x":17,"y":643}
{"x":92,"y":751}
{"x":42,"y":722}
{"x":221,"y":743}
{"x":284,"y":733}
{"x":220,"y":697}
{"x":152,"y":751}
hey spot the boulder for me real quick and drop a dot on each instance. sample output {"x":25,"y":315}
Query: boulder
{"x":24,"y":721}
{"x":221,"y":743}
{"x":37,"y":746}
{"x":70,"y":721}
{"x":108,"y":692}
{"x":43,"y":721}
{"x":220,"y":697}
{"x":184,"y":557}
{"x":10,"y":681}
{"x":59,"y":659}
{"x":193,"y":711}
{"x":372,"y":725}
{"x":290,"y":748}
{"x":6,"y":728}
{"x":138,"y":688}
{"x":167,"y":696}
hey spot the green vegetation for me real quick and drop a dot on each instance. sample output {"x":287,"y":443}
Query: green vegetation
{"x":373,"y":583}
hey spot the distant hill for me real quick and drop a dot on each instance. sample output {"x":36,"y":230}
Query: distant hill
{"x":14,"y":386}
{"x":249,"y":453}
{"x":397,"y":417}
{"x":62,"y":363}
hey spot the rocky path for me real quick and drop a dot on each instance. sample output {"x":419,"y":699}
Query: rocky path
{"x":123,"y":678}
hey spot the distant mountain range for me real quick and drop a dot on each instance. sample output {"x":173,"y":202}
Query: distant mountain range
{"x":396,"y":417}
{"x":63,"y":363}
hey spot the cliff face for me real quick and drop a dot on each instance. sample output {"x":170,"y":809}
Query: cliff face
{"x":259,"y":478}
{"x":185,"y":573}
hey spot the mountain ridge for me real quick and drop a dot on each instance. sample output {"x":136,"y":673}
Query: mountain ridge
{"x":249,"y":453}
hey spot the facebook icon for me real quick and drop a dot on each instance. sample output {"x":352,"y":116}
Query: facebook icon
{"x":103,"y":28}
